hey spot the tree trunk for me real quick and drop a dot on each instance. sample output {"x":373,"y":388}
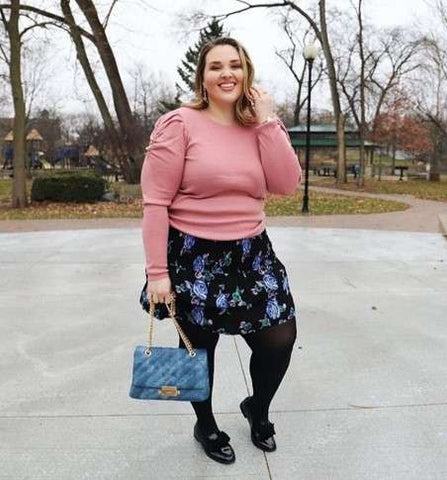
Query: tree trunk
{"x":393,"y":153}
{"x":19,"y":198}
{"x":361,"y":177}
{"x":297,"y":109}
{"x":113,"y":134}
{"x":434,"y":174}
{"x":341,"y":149}
{"x":298,"y":102}
{"x":339,"y":117}
{"x":124,"y":113}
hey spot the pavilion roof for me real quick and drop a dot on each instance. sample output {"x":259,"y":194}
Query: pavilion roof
{"x":92,"y":151}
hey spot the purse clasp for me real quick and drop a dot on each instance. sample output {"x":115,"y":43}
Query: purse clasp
{"x":169,"y":391}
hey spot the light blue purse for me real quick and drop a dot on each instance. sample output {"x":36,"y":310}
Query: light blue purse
{"x":165,"y":373}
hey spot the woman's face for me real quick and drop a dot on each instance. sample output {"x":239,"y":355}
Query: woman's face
{"x":223,"y":75}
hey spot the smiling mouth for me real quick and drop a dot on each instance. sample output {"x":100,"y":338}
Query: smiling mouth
{"x":227,"y":86}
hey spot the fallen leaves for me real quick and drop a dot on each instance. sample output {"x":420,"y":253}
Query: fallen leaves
{"x":419,"y":188}
{"x":130,"y":206}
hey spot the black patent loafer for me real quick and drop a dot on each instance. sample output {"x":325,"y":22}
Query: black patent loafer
{"x":261,"y":432}
{"x":216,"y":445}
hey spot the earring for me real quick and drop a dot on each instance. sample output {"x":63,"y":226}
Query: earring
{"x":204,"y":94}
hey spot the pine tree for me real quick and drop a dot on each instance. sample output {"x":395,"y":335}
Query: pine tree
{"x":213,"y":30}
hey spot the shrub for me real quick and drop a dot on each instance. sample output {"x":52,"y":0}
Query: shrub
{"x":74,"y":187}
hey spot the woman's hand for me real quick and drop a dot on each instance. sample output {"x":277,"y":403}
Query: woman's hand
{"x":264,"y":106}
{"x":159,"y":291}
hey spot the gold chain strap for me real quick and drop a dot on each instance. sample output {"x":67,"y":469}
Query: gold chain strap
{"x":171,"y":308}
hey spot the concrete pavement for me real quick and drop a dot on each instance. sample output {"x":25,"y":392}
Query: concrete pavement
{"x":365,"y":396}
{"x":421,"y":216}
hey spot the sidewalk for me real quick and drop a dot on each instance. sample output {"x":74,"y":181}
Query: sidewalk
{"x":364,"y":397}
{"x":422,"y":216}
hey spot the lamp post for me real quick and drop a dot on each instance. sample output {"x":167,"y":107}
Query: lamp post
{"x":310,"y":52}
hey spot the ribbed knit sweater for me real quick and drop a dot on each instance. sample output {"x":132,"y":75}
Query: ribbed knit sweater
{"x":210,"y":180}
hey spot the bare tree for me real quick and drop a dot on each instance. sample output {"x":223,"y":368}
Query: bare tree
{"x":120,"y":100}
{"x":148,"y":89}
{"x":370,"y":65}
{"x":11,"y":25}
{"x":290,"y":57}
{"x":362,"y":88}
{"x":394,"y":58}
{"x":129,"y":141}
{"x":112,"y":133}
{"x":318,"y":23}
{"x":430,"y":97}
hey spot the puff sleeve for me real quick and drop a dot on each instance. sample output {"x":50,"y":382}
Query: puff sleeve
{"x":161,"y":177}
{"x":279,"y":161}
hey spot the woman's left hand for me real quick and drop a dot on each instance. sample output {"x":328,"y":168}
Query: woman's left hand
{"x":264,"y":106}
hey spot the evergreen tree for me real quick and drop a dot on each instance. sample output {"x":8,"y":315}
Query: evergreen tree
{"x":213,"y":30}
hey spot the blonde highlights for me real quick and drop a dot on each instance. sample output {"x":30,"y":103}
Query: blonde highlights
{"x":244,"y":112}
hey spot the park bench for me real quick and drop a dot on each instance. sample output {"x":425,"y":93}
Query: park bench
{"x":417,"y":176}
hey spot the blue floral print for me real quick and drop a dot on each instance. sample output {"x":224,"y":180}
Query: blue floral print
{"x":222,"y":301}
{"x":272,"y":309}
{"x":188,"y":243}
{"x":230,"y":287}
{"x":257,"y":262}
{"x":270,"y":282}
{"x":200,"y":289}
{"x":198,"y":265}
{"x":198,"y":315}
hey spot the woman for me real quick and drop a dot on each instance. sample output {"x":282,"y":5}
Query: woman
{"x":208,"y":167}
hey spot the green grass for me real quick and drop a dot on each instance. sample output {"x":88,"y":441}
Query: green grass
{"x":329,"y":204}
{"x":419,"y":188}
{"x":5,"y":190}
{"x":129,"y":205}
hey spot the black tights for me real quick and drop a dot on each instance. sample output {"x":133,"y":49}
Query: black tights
{"x":271,"y":351}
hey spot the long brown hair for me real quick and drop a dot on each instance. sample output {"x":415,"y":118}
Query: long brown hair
{"x":245,"y":114}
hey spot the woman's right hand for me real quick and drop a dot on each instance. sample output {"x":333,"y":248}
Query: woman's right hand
{"x":159,"y":290}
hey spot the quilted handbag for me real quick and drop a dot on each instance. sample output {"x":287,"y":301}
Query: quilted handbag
{"x":165,"y":373}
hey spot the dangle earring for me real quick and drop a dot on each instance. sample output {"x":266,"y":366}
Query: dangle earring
{"x":204,"y":94}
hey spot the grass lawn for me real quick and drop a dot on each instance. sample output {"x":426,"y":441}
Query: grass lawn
{"x":419,"y":188}
{"x":129,"y":205}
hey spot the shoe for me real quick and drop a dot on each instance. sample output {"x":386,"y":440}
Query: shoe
{"x":216,"y":445}
{"x":262,"y":432}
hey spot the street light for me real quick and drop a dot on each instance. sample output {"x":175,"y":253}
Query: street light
{"x":310,"y":53}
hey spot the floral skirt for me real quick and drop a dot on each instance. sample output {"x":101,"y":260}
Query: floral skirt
{"x":226,"y":286}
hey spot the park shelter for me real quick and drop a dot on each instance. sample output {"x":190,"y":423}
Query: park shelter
{"x":34,"y":136}
{"x":34,"y":146}
{"x":323,"y":144}
{"x":92,"y":151}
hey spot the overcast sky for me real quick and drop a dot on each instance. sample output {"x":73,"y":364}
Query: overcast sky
{"x":145,"y":31}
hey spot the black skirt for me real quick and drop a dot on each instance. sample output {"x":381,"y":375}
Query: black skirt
{"x":226,"y":286}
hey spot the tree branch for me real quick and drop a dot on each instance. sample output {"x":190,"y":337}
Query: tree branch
{"x":53,"y":16}
{"x":42,"y":24}
{"x":285,"y":3}
{"x":106,"y":19}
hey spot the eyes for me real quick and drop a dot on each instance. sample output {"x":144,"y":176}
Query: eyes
{"x":215,"y":67}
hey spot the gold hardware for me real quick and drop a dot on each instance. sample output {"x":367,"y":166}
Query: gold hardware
{"x":171,"y":309}
{"x":169,"y":391}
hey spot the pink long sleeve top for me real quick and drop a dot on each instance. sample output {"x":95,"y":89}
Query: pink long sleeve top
{"x":210,"y":180}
